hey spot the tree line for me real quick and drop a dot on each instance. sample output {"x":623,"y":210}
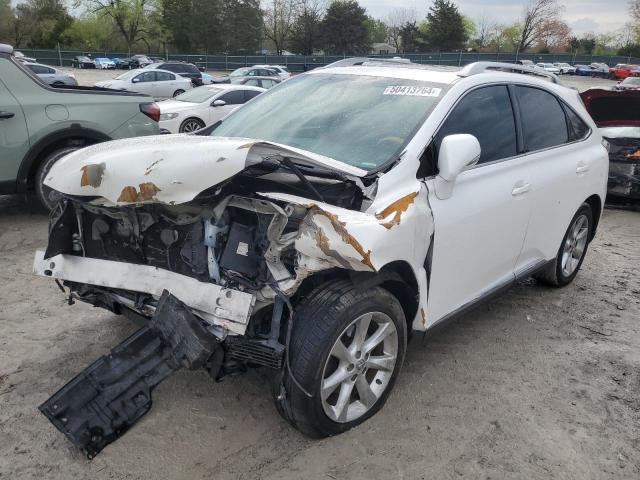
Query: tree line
{"x":296,"y":26}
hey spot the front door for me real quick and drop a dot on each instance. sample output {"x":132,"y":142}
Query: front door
{"x":14,"y":138}
{"x":480,"y":229}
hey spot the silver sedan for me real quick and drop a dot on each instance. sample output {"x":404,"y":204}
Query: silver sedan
{"x":52,"y":76}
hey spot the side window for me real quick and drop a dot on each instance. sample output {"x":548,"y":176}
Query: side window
{"x":37,"y":69}
{"x":577,"y":128}
{"x":485,"y":113}
{"x":543,"y":120}
{"x":164,"y":76}
{"x":249,"y":94}
{"x":253,"y":73}
{"x":253,"y":82}
{"x":147,"y":77}
{"x":235,"y":97}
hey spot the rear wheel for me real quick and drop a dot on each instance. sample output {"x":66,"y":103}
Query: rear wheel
{"x":47,"y":196}
{"x":191,"y":125}
{"x":346,"y":350}
{"x":572,"y":251}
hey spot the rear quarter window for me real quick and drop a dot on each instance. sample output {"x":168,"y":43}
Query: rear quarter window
{"x":543,"y":120}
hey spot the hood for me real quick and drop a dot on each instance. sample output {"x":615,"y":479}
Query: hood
{"x":169,"y":169}
{"x":175,"y":106}
{"x":613,"y":108}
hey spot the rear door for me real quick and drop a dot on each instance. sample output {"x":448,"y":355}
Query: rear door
{"x":165,"y":85}
{"x":566,"y":167}
{"x":14,"y":139}
{"x":480,"y":229}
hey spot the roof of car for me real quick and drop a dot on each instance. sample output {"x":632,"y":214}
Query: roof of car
{"x":232,"y":86}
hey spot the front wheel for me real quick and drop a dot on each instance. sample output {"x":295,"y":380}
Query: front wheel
{"x":572,"y":251}
{"x":346,"y":350}
{"x":191,"y":125}
{"x":47,"y":196}
{"x":178,"y":92}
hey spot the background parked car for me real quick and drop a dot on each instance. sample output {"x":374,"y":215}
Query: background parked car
{"x":629,"y":83}
{"x":262,"y":82}
{"x":617,"y":114}
{"x":21,"y":57}
{"x":139,"y":61}
{"x":52,"y":76}
{"x":282,"y":72}
{"x":526,"y":63}
{"x":104,"y":63}
{"x":565,"y":68}
{"x":584,"y":70}
{"x":188,"y":70}
{"x":622,"y":71}
{"x":40,"y":124}
{"x":203,"y":106}
{"x":121,"y":63}
{"x":157,"y":83}
{"x":548,"y":67}
{"x":599,"y":70}
{"x":247,"y":72}
{"x":82,"y":61}
{"x":207,"y":79}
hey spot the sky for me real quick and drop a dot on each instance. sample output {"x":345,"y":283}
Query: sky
{"x":583,"y":16}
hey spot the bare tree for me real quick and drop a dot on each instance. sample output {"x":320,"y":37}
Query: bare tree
{"x":536,"y":15}
{"x":485,"y":30}
{"x":396,"y":19}
{"x":129,"y":16}
{"x":554,"y":33}
{"x":279,"y":19}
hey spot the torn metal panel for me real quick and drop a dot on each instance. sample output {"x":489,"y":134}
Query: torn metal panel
{"x":220,"y":306}
{"x":168,"y":169}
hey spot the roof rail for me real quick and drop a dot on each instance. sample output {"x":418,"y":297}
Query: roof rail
{"x":348,"y":62}
{"x":481,"y":67}
{"x":4,"y":48}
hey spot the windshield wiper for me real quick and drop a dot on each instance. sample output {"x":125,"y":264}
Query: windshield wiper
{"x":294,"y":168}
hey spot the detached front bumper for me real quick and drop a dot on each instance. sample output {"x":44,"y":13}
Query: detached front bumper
{"x":218,"y":306}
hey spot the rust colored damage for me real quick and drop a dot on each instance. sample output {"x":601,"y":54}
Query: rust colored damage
{"x":92,"y":174}
{"x":397,"y":208}
{"x":152,"y":166}
{"x":339,"y":227}
{"x":130,"y":194}
{"x":424,"y":317}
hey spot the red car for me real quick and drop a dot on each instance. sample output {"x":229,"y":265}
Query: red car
{"x":623,"y":71}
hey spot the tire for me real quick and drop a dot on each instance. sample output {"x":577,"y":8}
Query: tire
{"x":178,"y":92}
{"x":46,"y":196}
{"x":191,"y":125}
{"x":338,"y":312}
{"x":557,"y":273}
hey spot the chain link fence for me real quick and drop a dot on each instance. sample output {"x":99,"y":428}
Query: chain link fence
{"x":301,"y":63}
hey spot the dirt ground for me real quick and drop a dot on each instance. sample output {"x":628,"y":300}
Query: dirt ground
{"x":538,"y":384}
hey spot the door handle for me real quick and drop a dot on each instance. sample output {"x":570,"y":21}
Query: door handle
{"x":4,"y":115}
{"x":520,"y":189}
{"x":582,"y":167}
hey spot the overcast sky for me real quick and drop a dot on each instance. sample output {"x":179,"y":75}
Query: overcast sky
{"x":583,"y":16}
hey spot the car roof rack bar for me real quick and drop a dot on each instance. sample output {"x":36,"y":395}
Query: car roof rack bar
{"x":348,"y":62}
{"x":482,"y":67}
{"x":4,"y":48}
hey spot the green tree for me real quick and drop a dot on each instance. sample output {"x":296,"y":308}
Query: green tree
{"x":177,"y":16}
{"x":241,"y":26}
{"x":446,"y":28}
{"x":377,"y":30}
{"x":410,"y":37}
{"x":306,"y":36}
{"x":6,"y":21}
{"x":89,"y":33}
{"x":345,"y":30}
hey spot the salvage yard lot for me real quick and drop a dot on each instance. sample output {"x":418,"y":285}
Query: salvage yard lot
{"x":539,"y":383}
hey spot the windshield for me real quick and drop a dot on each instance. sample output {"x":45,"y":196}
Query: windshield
{"x":128,"y":75}
{"x":198,"y":95}
{"x":360,"y":120}
{"x":240,"y":72}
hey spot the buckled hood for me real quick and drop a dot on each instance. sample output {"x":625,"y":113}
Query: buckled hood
{"x":613,"y":108}
{"x":169,"y":169}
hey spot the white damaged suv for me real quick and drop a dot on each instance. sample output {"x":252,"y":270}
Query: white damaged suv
{"x":315,"y":228}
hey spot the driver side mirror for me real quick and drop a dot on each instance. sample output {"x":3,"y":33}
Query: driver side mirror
{"x":218,"y":103}
{"x":457,"y":153}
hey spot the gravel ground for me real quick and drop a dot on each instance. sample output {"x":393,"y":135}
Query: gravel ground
{"x":539,"y":383}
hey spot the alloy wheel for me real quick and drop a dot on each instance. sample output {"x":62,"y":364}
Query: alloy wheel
{"x":191,"y":126}
{"x":359,"y":367}
{"x":574,"y":245}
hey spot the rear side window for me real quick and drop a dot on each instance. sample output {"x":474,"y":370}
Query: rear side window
{"x":577,"y":128}
{"x":164,"y":76}
{"x":249,"y":94}
{"x":543,"y":120}
{"x":38,"y":69}
{"x":190,"y":68}
{"x":485,"y":113}
{"x":235,"y":97}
